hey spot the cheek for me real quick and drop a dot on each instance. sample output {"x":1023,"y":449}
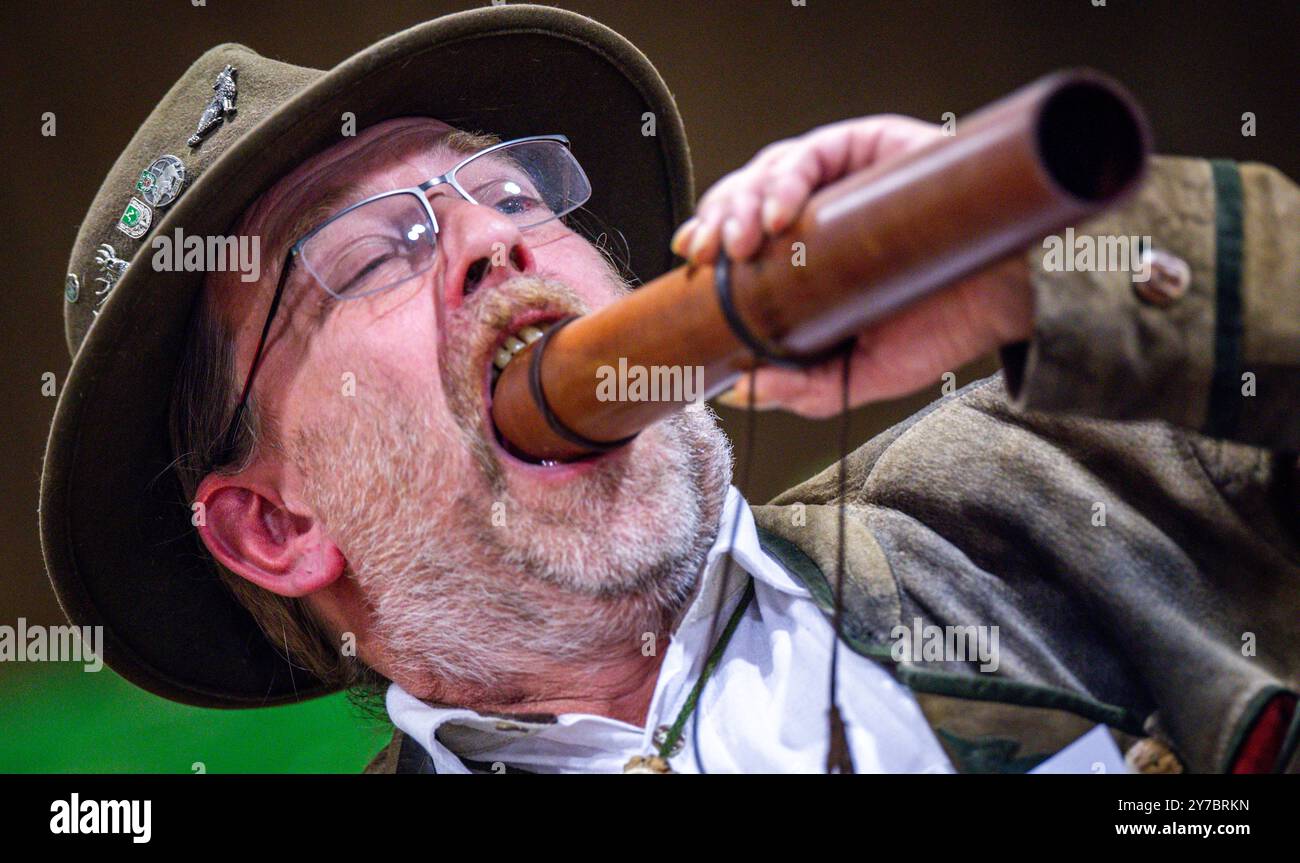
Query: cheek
{"x":580,"y":265}
{"x":379,"y":354}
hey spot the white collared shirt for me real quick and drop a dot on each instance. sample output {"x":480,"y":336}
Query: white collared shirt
{"x":764,"y":710}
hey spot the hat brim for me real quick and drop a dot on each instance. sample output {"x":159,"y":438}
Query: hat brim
{"x":119,"y":547}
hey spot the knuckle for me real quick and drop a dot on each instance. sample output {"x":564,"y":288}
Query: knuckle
{"x":773,"y":149}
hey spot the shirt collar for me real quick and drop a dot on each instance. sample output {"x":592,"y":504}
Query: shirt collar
{"x":469,"y":731}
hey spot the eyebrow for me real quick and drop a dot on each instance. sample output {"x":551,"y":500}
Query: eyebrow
{"x":308,"y":218}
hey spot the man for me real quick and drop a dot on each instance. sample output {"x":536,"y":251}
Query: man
{"x":328,"y":424}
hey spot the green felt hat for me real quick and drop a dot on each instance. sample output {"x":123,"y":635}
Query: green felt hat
{"x":119,"y":547}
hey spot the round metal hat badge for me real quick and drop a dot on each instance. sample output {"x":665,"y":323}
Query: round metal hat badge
{"x":161,"y":182}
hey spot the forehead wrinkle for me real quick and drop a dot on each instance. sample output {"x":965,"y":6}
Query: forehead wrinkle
{"x":329,"y":182}
{"x":306,"y":218}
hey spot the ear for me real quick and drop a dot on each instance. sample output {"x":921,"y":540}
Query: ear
{"x":248,"y":528}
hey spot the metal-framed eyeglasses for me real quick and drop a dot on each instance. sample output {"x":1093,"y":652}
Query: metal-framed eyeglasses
{"x":390,"y":238}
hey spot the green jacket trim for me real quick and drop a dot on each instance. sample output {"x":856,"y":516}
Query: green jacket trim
{"x":1224,"y":410}
{"x":1249,"y":718}
{"x":988,"y":754}
{"x":1289,"y":744}
{"x":1006,"y":691}
{"x":809,"y":574}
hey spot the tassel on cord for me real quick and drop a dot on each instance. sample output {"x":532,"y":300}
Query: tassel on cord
{"x":838,"y":757}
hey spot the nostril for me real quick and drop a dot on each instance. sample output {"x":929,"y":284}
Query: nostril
{"x":517,"y":258}
{"x":475,"y":274}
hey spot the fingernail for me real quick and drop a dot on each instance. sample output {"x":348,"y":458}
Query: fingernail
{"x":730,"y":398}
{"x":679,"y":237}
{"x":739,"y":399}
{"x":698,"y":241}
{"x":771,"y":215}
{"x":730,"y":235}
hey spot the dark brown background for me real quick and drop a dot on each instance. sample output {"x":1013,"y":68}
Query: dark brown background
{"x":745,"y":74}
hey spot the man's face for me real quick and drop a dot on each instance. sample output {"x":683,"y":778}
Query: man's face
{"x":473,"y":571}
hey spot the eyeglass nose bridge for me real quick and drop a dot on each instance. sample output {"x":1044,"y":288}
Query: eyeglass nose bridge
{"x":448,"y":179}
{"x":428,"y":211}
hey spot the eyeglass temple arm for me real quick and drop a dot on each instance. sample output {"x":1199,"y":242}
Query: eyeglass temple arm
{"x":228,"y":442}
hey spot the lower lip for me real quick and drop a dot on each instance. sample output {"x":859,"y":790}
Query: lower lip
{"x":556,"y":472}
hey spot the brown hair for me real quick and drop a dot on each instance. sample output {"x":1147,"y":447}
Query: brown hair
{"x":204,"y":399}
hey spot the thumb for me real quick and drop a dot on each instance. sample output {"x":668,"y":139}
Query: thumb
{"x":813,"y":392}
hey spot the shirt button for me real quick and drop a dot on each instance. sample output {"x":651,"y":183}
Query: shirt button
{"x":1168,"y":278}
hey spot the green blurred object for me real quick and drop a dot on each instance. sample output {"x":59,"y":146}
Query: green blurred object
{"x":57,"y":718}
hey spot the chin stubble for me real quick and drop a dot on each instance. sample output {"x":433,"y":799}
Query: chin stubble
{"x":464,"y":604}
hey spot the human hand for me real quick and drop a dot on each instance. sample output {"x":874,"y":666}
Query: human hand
{"x":895,"y":356}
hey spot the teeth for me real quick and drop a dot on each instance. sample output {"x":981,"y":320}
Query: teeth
{"x":514,"y":344}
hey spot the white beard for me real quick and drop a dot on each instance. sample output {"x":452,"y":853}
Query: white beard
{"x":460,"y":604}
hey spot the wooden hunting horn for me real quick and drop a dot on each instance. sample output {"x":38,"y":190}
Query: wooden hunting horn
{"x":1049,"y":155}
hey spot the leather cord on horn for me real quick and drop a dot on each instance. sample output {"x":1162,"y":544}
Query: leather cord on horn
{"x":544,"y":407}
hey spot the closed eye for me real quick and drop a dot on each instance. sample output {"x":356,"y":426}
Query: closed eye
{"x":365,"y":271}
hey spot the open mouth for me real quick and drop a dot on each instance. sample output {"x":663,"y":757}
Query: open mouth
{"x":511,"y":343}
{"x":524,"y":328}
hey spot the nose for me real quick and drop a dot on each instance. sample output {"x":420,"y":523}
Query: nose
{"x":480,"y":247}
